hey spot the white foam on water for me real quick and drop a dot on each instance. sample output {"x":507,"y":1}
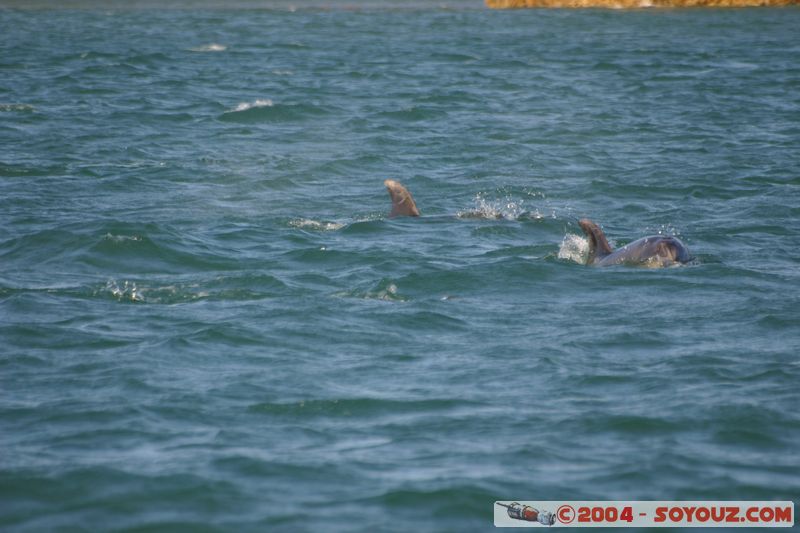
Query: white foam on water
{"x":129,"y":291}
{"x":16,"y":107}
{"x":369,"y":217}
{"x":244,"y":106}
{"x":387,"y":294}
{"x":121,"y":238}
{"x":306,"y":223}
{"x":125,"y":292}
{"x":508,"y":208}
{"x":391,"y":291}
{"x":212,"y":47}
{"x":574,"y":248}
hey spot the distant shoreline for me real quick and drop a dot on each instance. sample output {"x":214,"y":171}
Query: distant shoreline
{"x":629,"y":4}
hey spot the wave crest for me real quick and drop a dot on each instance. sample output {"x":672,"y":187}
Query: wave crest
{"x":211,"y":47}
{"x":21,"y":108}
{"x":244,"y":106}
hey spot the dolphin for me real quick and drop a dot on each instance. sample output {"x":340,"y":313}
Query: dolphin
{"x":402,"y":202}
{"x":653,"y":251}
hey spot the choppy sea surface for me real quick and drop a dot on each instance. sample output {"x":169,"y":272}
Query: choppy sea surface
{"x":208,"y":322}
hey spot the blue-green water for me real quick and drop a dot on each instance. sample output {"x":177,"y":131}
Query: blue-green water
{"x":208,"y":323}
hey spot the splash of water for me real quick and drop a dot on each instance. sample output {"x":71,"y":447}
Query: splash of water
{"x":574,"y":248}
{"x":316,"y":225}
{"x":505,"y":208}
{"x":669,"y":230}
{"x":125,"y":292}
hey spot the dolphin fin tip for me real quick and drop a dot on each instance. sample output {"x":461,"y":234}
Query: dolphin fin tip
{"x":402,"y":202}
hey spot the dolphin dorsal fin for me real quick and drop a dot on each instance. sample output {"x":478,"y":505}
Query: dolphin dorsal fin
{"x":598,"y":244}
{"x":403,"y":204}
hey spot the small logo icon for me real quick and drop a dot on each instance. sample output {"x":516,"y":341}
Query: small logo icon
{"x":527,"y":513}
{"x":565,"y":514}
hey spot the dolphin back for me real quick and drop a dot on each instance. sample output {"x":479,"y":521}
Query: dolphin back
{"x":654,"y":251}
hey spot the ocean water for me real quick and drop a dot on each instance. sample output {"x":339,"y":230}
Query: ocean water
{"x":208,"y":322}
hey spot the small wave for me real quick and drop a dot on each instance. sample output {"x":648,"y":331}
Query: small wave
{"x":454,"y":57}
{"x":362,"y":406}
{"x":121,"y":238}
{"x":19,"y":108}
{"x":244,"y":106}
{"x":128,"y":291}
{"x":413,"y":113}
{"x":244,"y":286}
{"x":367,"y":224}
{"x":574,"y":248}
{"x":212,"y":47}
{"x":305,"y":223}
{"x":385,"y":290}
{"x":389,"y":293}
{"x":92,"y":54}
{"x":265,"y":110}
